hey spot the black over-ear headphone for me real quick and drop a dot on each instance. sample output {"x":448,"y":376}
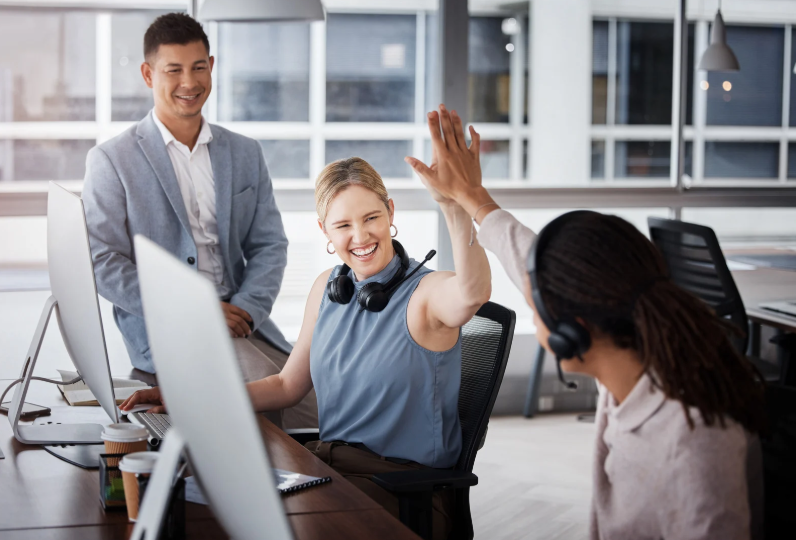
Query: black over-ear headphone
{"x":373,"y":296}
{"x":568,"y":338}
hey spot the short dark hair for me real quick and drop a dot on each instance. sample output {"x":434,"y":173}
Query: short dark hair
{"x":173,"y":29}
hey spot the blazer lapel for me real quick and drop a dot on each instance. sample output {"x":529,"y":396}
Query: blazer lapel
{"x":151,"y":142}
{"x":221,"y":162}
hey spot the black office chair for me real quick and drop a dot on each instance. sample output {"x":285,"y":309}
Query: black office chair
{"x":779,"y":466}
{"x":486,"y":343}
{"x":697,"y":264}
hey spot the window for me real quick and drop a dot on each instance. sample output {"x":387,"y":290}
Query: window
{"x":599,"y":79}
{"x":47,"y":66}
{"x":131,"y":98}
{"x":792,"y":74}
{"x":387,"y":157}
{"x":43,"y":159}
{"x":263,"y":72}
{"x":489,"y":62}
{"x":598,"y":159}
{"x":370,"y":68}
{"x":753,"y":95}
{"x":741,"y":160}
{"x":644,"y":72}
{"x":643,"y":159}
{"x":792,"y":160}
{"x":287,"y":159}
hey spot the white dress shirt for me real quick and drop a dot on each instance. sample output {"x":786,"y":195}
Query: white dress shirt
{"x":197,"y":185}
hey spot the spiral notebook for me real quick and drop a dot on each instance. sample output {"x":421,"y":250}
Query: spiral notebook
{"x":287,"y":482}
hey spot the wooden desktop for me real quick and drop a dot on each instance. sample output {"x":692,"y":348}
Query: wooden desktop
{"x":42,"y":497}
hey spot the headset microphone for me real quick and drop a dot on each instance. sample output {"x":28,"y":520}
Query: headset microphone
{"x":429,"y":256}
{"x":571,"y":385}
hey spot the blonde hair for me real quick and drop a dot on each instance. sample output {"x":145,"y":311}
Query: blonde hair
{"x":339,"y":175}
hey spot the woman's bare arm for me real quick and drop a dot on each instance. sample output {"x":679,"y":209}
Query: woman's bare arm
{"x":287,"y":388}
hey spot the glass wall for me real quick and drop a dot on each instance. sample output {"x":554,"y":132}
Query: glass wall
{"x":370,"y":68}
{"x":753,"y":95}
{"x":632,"y":67}
{"x":263,"y":72}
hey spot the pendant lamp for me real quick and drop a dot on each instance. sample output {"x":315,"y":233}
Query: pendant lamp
{"x":261,"y":10}
{"x":719,"y":57}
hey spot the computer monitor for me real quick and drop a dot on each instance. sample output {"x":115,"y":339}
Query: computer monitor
{"x":203,"y":387}
{"x":74,"y":300}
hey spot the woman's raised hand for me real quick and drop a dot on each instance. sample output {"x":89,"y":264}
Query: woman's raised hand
{"x":455,"y":168}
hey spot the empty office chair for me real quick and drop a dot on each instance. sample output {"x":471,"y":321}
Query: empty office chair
{"x":486,"y":343}
{"x":779,"y":466}
{"x":697,"y":264}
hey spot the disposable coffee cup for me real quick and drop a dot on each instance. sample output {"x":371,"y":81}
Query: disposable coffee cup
{"x":132,"y":466}
{"x":124,"y":438}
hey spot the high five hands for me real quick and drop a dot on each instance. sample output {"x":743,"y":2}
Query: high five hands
{"x":455,"y":171}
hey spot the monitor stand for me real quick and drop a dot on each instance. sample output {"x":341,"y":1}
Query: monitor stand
{"x":160,"y":487}
{"x":47,"y":433}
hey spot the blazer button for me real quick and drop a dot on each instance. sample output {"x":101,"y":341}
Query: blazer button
{"x":191,"y":260}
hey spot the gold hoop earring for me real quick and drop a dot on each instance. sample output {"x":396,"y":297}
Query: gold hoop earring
{"x":327,"y":248}
{"x":396,"y":231}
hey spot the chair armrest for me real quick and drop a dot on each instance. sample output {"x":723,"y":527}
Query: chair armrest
{"x":424,"y":480}
{"x":303,"y":436}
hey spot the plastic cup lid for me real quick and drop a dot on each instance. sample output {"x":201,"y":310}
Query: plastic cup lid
{"x":139,"y":462}
{"x":124,"y":433}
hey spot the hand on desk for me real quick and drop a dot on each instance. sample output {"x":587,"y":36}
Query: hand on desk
{"x":237,"y":320}
{"x":151,"y":395}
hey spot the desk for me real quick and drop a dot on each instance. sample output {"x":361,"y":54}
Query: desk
{"x":767,"y":285}
{"x":42,"y":497}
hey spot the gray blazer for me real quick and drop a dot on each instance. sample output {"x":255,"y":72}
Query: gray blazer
{"x":131,"y":188}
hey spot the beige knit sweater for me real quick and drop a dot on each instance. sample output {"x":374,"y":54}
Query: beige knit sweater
{"x":654,"y":477}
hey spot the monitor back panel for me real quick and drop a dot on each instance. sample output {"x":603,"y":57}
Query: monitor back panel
{"x":206,"y":398}
{"x":73,"y":285}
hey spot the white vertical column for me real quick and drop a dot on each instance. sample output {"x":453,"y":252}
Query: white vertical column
{"x":561,"y":34}
{"x":317,"y":96}
{"x":211,"y":106}
{"x":679,"y":90}
{"x":783,"y":143}
{"x":700,"y":104}
{"x":104,"y":67}
{"x":610,"y":106}
{"x":517,"y":100}
{"x":420,"y":87}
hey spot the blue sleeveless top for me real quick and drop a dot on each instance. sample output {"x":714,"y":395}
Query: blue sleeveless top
{"x":377,"y":386}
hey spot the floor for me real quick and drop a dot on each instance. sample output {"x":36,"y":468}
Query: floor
{"x":534,"y":479}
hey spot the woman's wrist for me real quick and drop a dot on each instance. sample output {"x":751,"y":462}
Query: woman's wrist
{"x":477,"y":202}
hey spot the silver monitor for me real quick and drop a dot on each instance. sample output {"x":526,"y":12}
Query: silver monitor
{"x":74,"y":300}
{"x":203,"y":388}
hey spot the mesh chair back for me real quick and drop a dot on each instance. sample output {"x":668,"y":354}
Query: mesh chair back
{"x":697,"y":264}
{"x":486,"y":342}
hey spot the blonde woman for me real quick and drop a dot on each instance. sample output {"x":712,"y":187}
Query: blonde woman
{"x":382,"y":352}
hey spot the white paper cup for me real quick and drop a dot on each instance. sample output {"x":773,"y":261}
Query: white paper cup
{"x":132,"y":466}
{"x":124,"y":438}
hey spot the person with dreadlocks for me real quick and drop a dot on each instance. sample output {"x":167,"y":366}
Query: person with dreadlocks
{"x":679,"y":410}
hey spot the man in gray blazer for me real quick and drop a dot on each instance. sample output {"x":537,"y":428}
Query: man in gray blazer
{"x":201,"y":192}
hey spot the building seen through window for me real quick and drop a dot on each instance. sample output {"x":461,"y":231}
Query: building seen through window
{"x":263,"y":72}
{"x":370,"y":68}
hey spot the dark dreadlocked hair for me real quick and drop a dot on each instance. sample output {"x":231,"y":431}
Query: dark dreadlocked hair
{"x":602,"y":269}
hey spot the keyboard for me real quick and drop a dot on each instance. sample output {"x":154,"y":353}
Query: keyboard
{"x":156,"y":424}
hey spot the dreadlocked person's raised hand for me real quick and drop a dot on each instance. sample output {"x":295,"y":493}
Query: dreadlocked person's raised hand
{"x":455,"y":168}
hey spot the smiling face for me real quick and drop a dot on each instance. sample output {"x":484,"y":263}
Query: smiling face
{"x":179,"y":76}
{"x":358,"y":225}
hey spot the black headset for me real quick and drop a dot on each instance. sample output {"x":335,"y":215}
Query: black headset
{"x":373,"y":296}
{"x":568,"y":338}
